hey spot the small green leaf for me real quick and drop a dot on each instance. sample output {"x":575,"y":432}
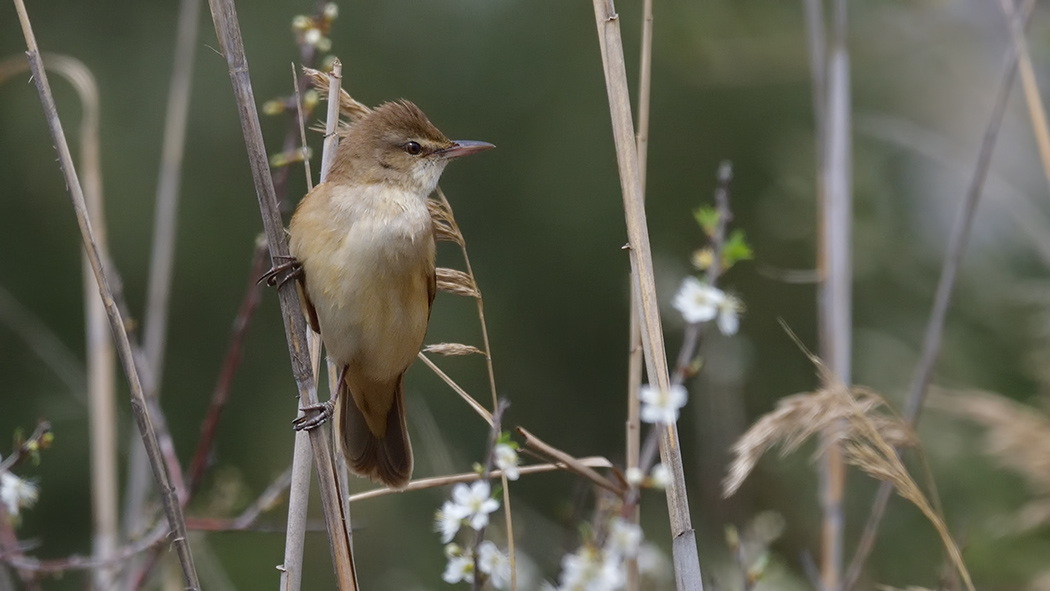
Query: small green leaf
{"x":707,"y":217}
{"x":736,"y":249}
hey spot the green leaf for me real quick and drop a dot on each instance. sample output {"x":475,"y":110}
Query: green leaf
{"x":736,"y":249}
{"x":707,"y":217}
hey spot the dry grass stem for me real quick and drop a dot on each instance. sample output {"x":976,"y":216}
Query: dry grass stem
{"x":445,"y":227}
{"x":452,"y":349}
{"x":169,"y":498}
{"x":686,"y":559}
{"x":866,"y":432}
{"x":1034,"y":101}
{"x":348,"y":106}
{"x":474,"y":404}
{"x":957,"y":241}
{"x":456,"y":282}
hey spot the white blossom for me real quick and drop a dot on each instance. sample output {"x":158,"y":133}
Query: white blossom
{"x":448,"y":519}
{"x":697,"y":301}
{"x":634,"y":476}
{"x":460,"y":567}
{"x":661,"y":476}
{"x":507,"y":460}
{"x":16,"y":493}
{"x":495,"y":564}
{"x":590,"y":570}
{"x":476,"y":501}
{"x":729,"y":315}
{"x":661,"y":406}
{"x":624,"y":538}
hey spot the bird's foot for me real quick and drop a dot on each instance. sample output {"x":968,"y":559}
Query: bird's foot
{"x":314,"y":415}
{"x":282,"y":273}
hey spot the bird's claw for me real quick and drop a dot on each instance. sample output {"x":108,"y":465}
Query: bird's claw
{"x":314,"y":415}
{"x":282,"y":273}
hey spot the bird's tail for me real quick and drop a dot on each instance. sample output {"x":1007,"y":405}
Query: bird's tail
{"x":381,"y":451}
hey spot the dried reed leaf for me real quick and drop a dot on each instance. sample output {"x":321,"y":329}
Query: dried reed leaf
{"x":456,"y":282}
{"x":451,"y":349}
{"x":445,"y":227}
{"x":350,"y":108}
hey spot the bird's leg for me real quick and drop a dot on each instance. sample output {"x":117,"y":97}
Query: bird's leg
{"x":325,"y":410}
{"x":282,"y":273}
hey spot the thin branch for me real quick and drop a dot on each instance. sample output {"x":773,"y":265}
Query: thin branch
{"x":138,"y":402}
{"x":439,"y":481}
{"x":957,"y":242}
{"x":572,"y":464}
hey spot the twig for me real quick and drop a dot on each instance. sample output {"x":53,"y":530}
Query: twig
{"x":439,"y":481}
{"x":36,"y":441}
{"x":957,"y":242}
{"x":486,"y":474}
{"x":538,"y":445}
{"x":686,"y":560}
{"x":138,"y":402}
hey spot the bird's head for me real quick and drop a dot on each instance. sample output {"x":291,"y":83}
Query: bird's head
{"x":397,"y":144}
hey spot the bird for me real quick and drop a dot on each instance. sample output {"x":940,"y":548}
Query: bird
{"x":362,"y":246}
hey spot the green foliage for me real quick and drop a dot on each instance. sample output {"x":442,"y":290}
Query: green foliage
{"x":736,"y":249}
{"x":707,"y":217}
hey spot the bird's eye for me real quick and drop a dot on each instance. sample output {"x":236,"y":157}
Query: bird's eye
{"x":413,"y":148}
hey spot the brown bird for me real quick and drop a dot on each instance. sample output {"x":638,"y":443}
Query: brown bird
{"x":364,"y":242}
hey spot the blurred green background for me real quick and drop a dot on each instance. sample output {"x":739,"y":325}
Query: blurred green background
{"x":543,"y":219}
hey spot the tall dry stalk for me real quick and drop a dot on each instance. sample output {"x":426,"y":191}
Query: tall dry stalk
{"x":138,"y":402}
{"x":227,"y":29}
{"x":162,"y":252}
{"x":835,"y":297}
{"x":634,"y":360}
{"x":686,"y":559}
{"x":957,"y":241}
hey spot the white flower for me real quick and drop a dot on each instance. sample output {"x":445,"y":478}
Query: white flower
{"x":661,"y":476}
{"x":697,"y":301}
{"x":634,"y":476}
{"x":661,"y":406}
{"x":476,"y":501}
{"x":729,"y":315}
{"x":624,"y":538}
{"x":460,"y":568}
{"x":16,"y":493}
{"x":590,"y":570}
{"x":495,"y":564}
{"x":507,"y":460}
{"x":448,"y":519}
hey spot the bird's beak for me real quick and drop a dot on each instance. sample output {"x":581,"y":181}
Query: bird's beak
{"x":461,"y":148}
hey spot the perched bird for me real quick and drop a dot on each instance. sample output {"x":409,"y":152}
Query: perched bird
{"x":363,"y":243}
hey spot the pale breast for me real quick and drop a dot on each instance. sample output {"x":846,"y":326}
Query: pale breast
{"x":368,"y":253}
